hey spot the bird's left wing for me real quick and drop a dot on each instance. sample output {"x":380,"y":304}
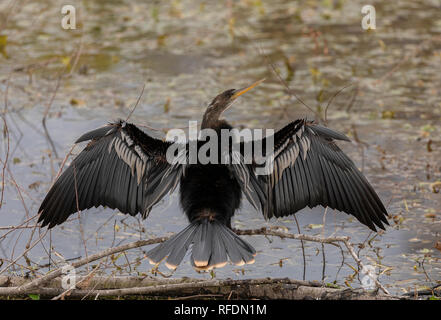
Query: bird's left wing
{"x":121,"y":167}
{"x":309,"y":169}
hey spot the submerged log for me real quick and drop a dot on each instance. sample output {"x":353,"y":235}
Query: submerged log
{"x":153,"y":288}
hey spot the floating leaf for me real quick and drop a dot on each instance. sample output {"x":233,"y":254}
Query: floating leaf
{"x":320,"y":96}
{"x":77,"y":102}
{"x":405,"y":205}
{"x":388,"y":114}
{"x":429,"y":145}
{"x":3,"y":42}
{"x":65,"y":61}
{"x":332,"y":285}
{"x":259,"y":5}
{"x":289,"y":69}
{"x":155,"y":14}
{"x":231,"y":23}
{"x":35,"y":185}
{"x":314,"y":226}
{"x":430,"y":215}
{"x":315,"y":73}
{"x":167,"y":105}
{"x":175,"y":10}
{"x":428,"y":128}
{"x":436,"y":187}
{"x":160,"y":40}
{"x":382,"y":44}
{"x":327,"y":3}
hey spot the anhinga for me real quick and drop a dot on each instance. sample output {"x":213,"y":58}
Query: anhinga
{"x":124,"y":168}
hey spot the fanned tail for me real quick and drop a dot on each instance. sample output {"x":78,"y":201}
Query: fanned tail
{"x":213,"y":244}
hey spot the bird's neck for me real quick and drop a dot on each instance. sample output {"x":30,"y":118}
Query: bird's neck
{"x":215,"y":124}
{"x":210,"y":120}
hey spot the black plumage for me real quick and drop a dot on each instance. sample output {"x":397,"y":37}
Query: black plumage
{"x":124,"y":168}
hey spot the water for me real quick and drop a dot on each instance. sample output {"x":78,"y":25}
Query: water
{"x":187,"y":52}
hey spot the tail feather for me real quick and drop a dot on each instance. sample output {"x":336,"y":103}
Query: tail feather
{"x":157,"y":254}
{"x":243,"y":243}
{"x":202,"y":247}
{"x":219,"y":255}
{"x":212,"y":244}
{"x":180,"y":249}
{"x":238,"y":254}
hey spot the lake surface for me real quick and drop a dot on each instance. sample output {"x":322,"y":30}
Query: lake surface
{"x":186,"y":52}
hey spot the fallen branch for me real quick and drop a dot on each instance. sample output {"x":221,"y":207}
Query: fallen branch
{"x":38,"y":285}
{"x":266,"y":288}
{"x":330,"y":240}
{"x":57,"y":272}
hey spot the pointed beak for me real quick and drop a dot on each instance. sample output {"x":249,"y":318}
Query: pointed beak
{"x":241,"y":91}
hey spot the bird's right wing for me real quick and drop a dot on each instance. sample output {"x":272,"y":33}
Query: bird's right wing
{"x":121,"y":167}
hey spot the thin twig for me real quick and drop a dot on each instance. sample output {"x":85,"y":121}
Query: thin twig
{"x":136,"y":104}
{"x":332,"y":98}
{"x":303,"y":249}
{"x":6,"y":133}
{"x":140,"y":243}
{"x":46,"y":112}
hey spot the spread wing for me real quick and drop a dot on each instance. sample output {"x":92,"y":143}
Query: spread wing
{"x":121,"y":167}
{"x":310,"y":170}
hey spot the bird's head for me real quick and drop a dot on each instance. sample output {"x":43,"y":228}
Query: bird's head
{"x":222,"y":102}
